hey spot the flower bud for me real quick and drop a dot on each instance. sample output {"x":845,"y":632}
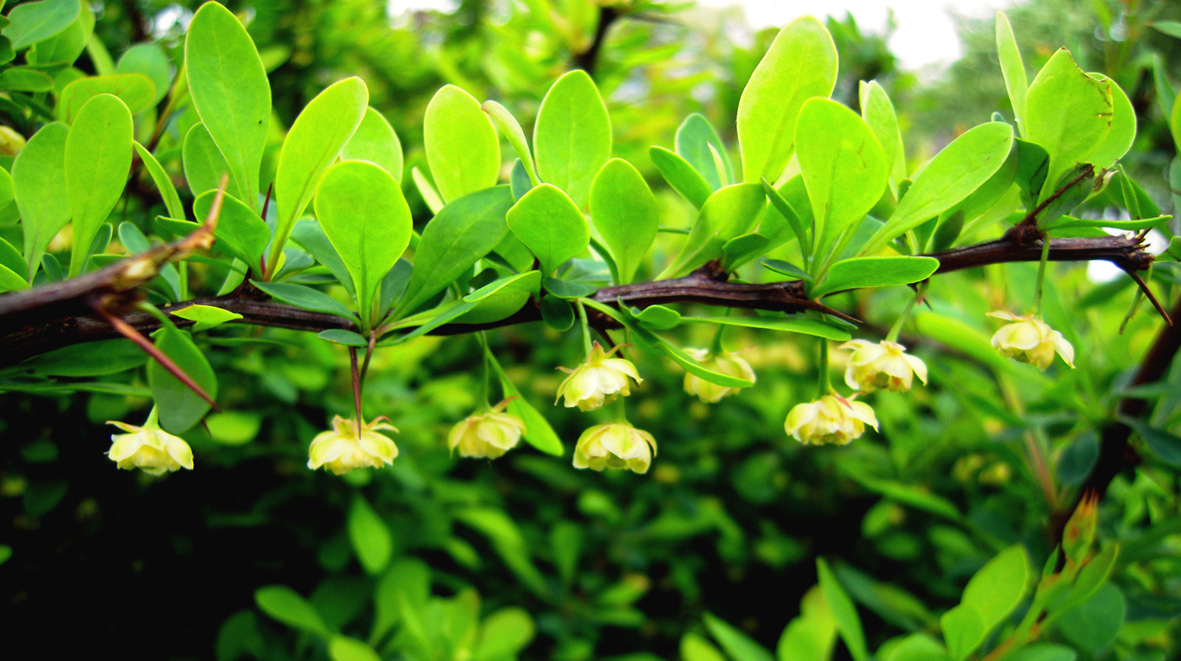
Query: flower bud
{"x":729,"y":364}
{"x":1030,"y":340}
{"x":149,"y":448}
{"x":486,"y":435}
{"x":617,"y":445}
{"x":830,"y":419}
{"x":1079,"y":533}
{"x":884,"y":365}
{"x":348,"y":446}
{"x":11,"y":142}
{"x":598,"y":381}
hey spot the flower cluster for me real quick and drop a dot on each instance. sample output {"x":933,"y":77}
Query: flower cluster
{"x":1030,"y":340}
{"x":349,"y":445}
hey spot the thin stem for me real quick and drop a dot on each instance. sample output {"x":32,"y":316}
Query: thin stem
{"x":1041,"y":275}
{"x":823,"y":384}
{"x":716,"y":347}
{"x":621,"y":410}
{"x":896,"y":329}
{"x":153,"y":421}
{"x":356,"y":385}
{"x":483,"y":338}
{"x":586,"y":336}
{"x":368,"y":355}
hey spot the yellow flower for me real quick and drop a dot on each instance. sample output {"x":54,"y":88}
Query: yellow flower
{"x":488,"y":435}
{"x":830,"y":419}
{"x":618,"y":445}
{"x":11,"y":142}
{"x":885,"y":365}
{"x":347,"y":447}
{"x":149,"y":448}
{"x":598,"y":381}
{"x":1030,"y":340}
{"x":729,"y":364}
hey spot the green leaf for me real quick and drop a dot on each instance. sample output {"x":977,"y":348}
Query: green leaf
{"x":917,"y":647}
{"x":11,"y":280}
{"x":728,"y":212}
{"x":538,"y":431}
{"x":843,"y":167}
{"x":310,"y":236}
{"x":878,"y":112}
{"x":25,"y":79}
{"x":85,"y":360}
{"x":361,"y":209}
{"x":370,"y":536}
{"x":343,"y":648}
{"x":786,"y":324}
{"x":65,"y":46}
{"x":376,"y":142}
{"x":1000,"y":585}
{"x":572,"y":135}
{"x":205,"y":316}
{"x":1078,"y":458}
{"x":151,"y":61}
{"x":500,"y":298}
{"x":860,"y":272}
{"x":548,"y":222}
{"x":304,"y":297}
{"x":133,"y":89}
{"x":848,"y":622}
{"x":1068,"y":113}
{"x":464,"y":231}
{"x":503,"y":634}
{"x":429,"y":195}
{"x":1166,"y":446}
{"x":512,"y":131}
{"x":322,"y":129}
{"x":180,"y":408}
{"x":659,"y":317}
{"x":1094,"y":624}
{"x":1175,"y":122}
{"x":204,"y":165}
{"x":698,"y":143}
{"x":680,"y":175}
{"x":737,"y":644}
{"x":233,"y":427}
{"x":963,"y":629}
{"x":1012,"y":68}
{"x":38,"y":180}
{"x":625,"y":213}
{"x":557,"y":313}
{"x":913,"y":495}
{"x":1043,"y":652}
{"x":506,"y":539}
{"x":239,"y":232}
{"x":462,"y":149}
{"x":345,"y":337}
{"x":230,"y":92}
{"x":1123,"y":127}
{"x":32,"y":22}
{"x":287,"y":606}
{"x":568,"y":289}
{"x":97,"y":160}
{"x":801,"y":63}
{"x":955,"y":173}
{"x":162,"y":180}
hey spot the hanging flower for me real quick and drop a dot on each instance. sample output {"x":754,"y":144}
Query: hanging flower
{"x":149,"y":448}
{"x":1030,"y":340}
{"x":617,"y":445}
{"x":489,"y":434}
{"x":883,"y":365}
{"x":598,"y":381}
{"x":830,"y":419}
{"x":729,"y":364}
{"x":348,"y":446}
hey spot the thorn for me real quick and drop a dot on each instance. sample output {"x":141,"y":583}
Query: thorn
{"x":1148,"y":292}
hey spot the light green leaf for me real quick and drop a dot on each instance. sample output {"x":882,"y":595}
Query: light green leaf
{"x":737,"y":644}
{"x":572,"y":135}
{"x":538,"y":431}
{"x":729,"y":212}
{"x":954,"y":174}
{"x":625,"y":213}
{"x":180,"y":408}
{"x":548,"y":222}
{"x":801,"y":63}
{"x":843,"y":611}
{"x":878,"y":112}
{"x":787,"y":324}
{"x":32,"y":22}
{"x":1068,"y":113}
{"x":1000,"y":585}
{"x":230,"y":92}
{"x":149,"y":60}
{"x":343,"y":648}
{"x":38,"y":180}
{"x":963,"y":629}
{"x":1094,"y":624}
{"x":204,"y":165}
{"x":370,"y":536}
{"x":680,"y":175}
{"x":464,"y":231}
{"x":25,"y":79}
{"x":205,"y":316}
{"x":507,"y":540}
{"x":322,"y":129}
{"x":917,"y":647}
{"x":501,"y":298}
{"x":239,"y":232}
{"x":304,"y":297}
{"x":376,"y":142}
{"x":133,"y":89}
{"x":361,"y":209}
{"x":1012,"y":68}
{"x":462,"y":149}
{"x":11,"y":280}
{"x":1043,"y":652}
{"x":64,"y":47}
{"x":1175,"y":122}
{"x":163,"y":182}
{"x":843,"y":166}
{"x":511,"y":130}
{"x":860,"y":272}
{"x":1123,"y":127}
{"x":426,"y":190}
{"x":97,"y":159}
{"x":699,"y":144}
{"x":289,"y":607}
{"x":503,"y":634}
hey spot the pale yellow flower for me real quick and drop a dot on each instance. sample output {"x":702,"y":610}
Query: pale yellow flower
{"x":11,"y":142}
{"x":598,"y":381}
{"x":617,"y":445}
{"x":149,"y":448}
{"x":488,"y":434}
{"x":1030,"y":340}
{"x":883,"y":365}
{"x":830,"y":419}
{"x":729,"y":364}
{"x":347,"y":447}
